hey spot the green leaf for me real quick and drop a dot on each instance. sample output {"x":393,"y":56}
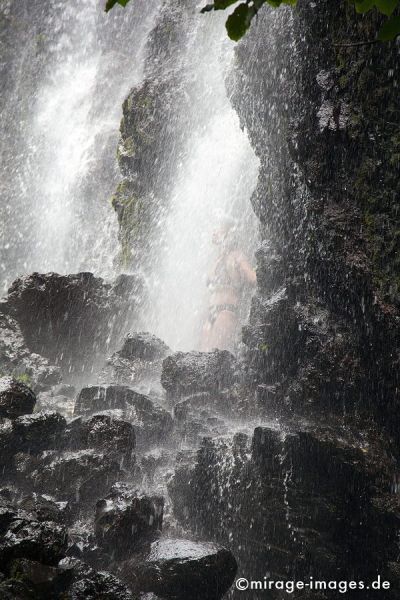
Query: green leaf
{"x":275,"y":3}
{"x":389,"y":30}
{"x":386,"y":6}
{"x":363,"y":6}
{"x":239,"y":21}
{"x":222,"y":4}
{"x":111,"y":3}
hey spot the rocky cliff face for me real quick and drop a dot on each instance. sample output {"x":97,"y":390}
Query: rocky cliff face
{"x":154,"y":117}
{"x":322,"y":342}
{"x":323,"y":328}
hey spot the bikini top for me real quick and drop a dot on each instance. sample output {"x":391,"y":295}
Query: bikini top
{"x":221,"y":278}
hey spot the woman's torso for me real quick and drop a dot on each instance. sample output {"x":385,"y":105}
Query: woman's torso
{"x":225,"y":282}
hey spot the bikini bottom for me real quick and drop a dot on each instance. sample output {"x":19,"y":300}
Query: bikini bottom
{"x":215,"y":310}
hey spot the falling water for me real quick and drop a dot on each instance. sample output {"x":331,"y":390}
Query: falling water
{"x":214,"y":179}
{"x":63,"y":170}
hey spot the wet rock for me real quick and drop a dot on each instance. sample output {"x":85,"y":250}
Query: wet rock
{"x":43,"y":581}
{"x":46,"y":508}
{"x":125,"y":519}
{"x":39,"y":431}
{"x":59,"y":398}
{"x":112,"y":436}
{"x":144,"y":346}
{"x":15,"y":398}
{"x":296,"y":515}
{"x":87,"y":584}
{"x":104,"y":432}
{"x":95,"y":398}
{"x":333,"y":116}
{"x":12,"y":589}
{"x":79,"y":477}
{"x":23,"y":465}
{"x":69,"y":319}
{"x":25,"y":538}
{"x":151,"y":422}
{"x":139,"y":361}
{"x":182,"y":570}
{"x":186,"y":373}
{"x":72,"y":580}
{"x":8,"y":443}
{"x":17,"y":361}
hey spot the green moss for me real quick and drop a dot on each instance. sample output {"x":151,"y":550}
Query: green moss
{"x":24,"y":378}
{"x":133,"y":217}
{"x":366,"y":76}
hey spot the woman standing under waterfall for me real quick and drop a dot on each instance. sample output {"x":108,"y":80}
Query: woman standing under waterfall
{"x":231,"y":274}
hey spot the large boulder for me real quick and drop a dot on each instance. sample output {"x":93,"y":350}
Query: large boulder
{"x":79,"y":477}
{"x":16,"y":360}
{"x":71,"y":319}
{"x":151,"y":422}
{"x":179,"y":569}
{"x":23,"y":537}
{"x":88,"y":584}
{"x":35,"y":579}
{"x":105,"y":432}
{"x":45,"y":508}
{"x":39,"y":431}
{"x":125,"y":519}
{"x":143,"y":346}
{"x":296,"y":515}
{"x":139,"y":361}
{"x":30,"y":579}
{"x":186,"y":373}
{"x":15,"y":398}
{"x":60,"y":398}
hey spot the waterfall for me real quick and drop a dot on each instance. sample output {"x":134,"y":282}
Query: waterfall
{"x":62,"y":169}
{"x":214,"y":178}
{"x":58,"y":215}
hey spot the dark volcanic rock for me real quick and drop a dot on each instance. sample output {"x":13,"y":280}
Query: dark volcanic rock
{"x":104,"y":432}
{"x":79,"y":476}
{"x":15,"y":398}
{"x":125,"y":520}
{"x":151,"y":422}
{"x":144,"y":346}
{"x":110,"y":435}
{"x":8,"y":443}
{"x":18,"y":361}
{"x":182,"y":570}
{"x":59,"y":398}
{"x":43,"y":581}
{"x":96,"y":398}
{"x":87,"y":584}
{"x":70,"y":319}
{"x":39,"y":431}
{"x":139,"y":360}
{"x":186,"y":373}
{"x":45,"y":508}
{"x":72,"y":580}
{"x":273,"y":500}
{"x":25,"y":538}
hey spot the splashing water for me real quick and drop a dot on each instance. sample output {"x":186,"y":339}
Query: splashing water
{"x":58,"y":215}
{"x":214,"y":179}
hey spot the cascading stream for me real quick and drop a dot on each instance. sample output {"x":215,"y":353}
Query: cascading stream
{"x":57,"y":215}
{"x":213,"y":179}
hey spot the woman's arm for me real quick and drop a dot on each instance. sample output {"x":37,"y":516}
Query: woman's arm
{"x":247,"y":272}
